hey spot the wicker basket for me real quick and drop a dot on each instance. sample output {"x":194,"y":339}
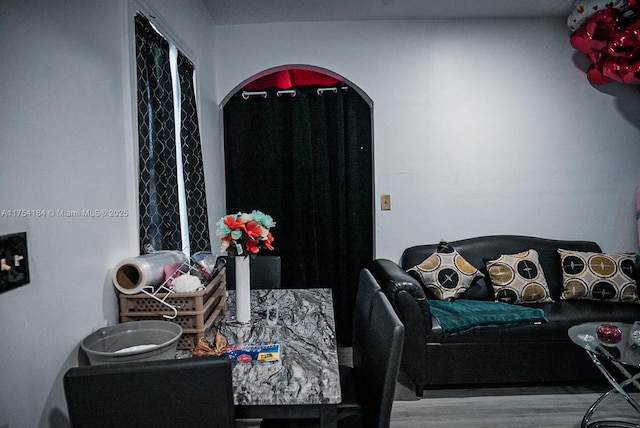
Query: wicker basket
{"x":196,"y":311}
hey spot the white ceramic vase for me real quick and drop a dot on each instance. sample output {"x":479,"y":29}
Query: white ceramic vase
{"x":243,"y":295}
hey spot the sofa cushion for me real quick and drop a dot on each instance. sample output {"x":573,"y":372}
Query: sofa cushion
{"x":519,"y":278}
{"x":445,"y":273}
{"x":598,"y":276}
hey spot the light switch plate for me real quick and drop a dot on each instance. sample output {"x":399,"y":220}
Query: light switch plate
{"x":385,"y":202}
{"x":14,"y":261}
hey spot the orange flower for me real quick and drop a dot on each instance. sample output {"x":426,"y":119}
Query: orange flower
{"x":233,"y":222}
{"x":267,"y":242}
{"x":252,"y":246}
{"x":253,"y":229}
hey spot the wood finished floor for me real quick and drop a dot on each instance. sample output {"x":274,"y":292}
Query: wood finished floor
{"x":516,"y":407}
{"x":554,"y":406}
{"x":526,"y":407}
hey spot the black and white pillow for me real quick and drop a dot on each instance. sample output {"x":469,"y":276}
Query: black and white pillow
{"x":445,"y":273}
{"x":598,"y":276}
{"x":518,"y":278}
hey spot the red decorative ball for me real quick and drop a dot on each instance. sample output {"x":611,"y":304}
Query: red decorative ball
{"x":609,"y":334}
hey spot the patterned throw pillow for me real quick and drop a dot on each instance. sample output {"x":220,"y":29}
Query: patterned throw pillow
{"x":519,"y":278}
{"x":445,"y":273}
{"x":598,"y":276}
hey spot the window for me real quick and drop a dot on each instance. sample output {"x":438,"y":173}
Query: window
{"x":172,"y":198}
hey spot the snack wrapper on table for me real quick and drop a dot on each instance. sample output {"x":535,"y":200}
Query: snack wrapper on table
{"x":247,"y":352}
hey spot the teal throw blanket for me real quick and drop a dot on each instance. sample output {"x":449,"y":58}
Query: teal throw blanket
{"x":463,"y":316}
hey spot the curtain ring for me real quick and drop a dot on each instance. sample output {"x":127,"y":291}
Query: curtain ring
{"x":291,"y":92}
{"x":321,"y":91}
{"x":247,"y":94}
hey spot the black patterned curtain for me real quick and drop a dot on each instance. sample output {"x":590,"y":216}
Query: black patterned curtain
{"x":158,"y":185}
{"x":194,"y":185}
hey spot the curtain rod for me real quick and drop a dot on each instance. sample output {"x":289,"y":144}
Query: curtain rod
{"x":291,"y":92}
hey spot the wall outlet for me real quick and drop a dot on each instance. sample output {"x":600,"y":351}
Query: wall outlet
{"x":14,"y":262}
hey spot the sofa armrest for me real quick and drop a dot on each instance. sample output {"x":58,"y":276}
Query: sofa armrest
{"x":393,"y":279}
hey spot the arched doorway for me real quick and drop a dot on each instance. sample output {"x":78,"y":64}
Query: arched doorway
{"x":298,"y":146}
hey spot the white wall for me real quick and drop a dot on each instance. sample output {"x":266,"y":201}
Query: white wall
{"x":480,"y":126}
{"x":66,"y":143}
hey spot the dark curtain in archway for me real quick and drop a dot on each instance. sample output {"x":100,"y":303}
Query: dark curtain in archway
{"x":307,"y":161}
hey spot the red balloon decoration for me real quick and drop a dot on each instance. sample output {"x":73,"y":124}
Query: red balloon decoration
{"x":596,"y":33}
{"x":621,"y":69}
{"x":610,"y":37}
{"x":626,"y":43}
{"x":596,"y":76}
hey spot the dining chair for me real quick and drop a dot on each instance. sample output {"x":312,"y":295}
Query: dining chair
{"x":367,"y":388}
{"x":375,"y":382}
{"x":266,"y":272}
{"x":367,"y":287}
{"x":192,"y":392}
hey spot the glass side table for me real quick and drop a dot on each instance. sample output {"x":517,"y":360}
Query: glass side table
{"x":616,"y":344}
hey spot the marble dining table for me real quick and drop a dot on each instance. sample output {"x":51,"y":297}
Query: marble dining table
{"x":305,"y":381}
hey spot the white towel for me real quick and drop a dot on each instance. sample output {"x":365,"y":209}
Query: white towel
{"x":186,"y":284}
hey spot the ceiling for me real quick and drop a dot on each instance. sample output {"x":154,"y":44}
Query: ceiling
{"x":229,"y":12}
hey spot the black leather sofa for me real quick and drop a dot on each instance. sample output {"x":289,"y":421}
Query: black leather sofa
{"x":514,"y":355}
